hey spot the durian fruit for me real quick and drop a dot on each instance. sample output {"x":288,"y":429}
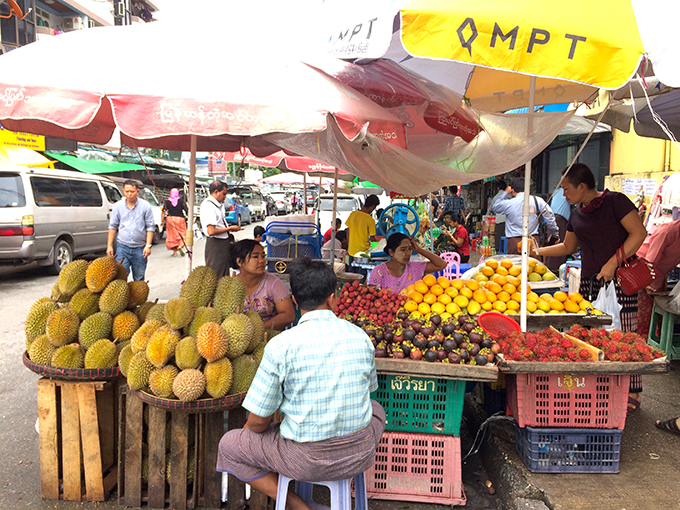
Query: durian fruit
{"x":84,"y":303}
{"x":122,"y":273}
{"x":186,"y":354}
{"x":199,"y":287}
{"x":62,"y":326}
{"x":114,"y":298}
{"x":245,"y":367}
{"x":191,"y":467}
{"x":203,"y":314}
{"x":39,"y":302}
{"x":124,"y":325}
{"x":178,"y":313}
{"x":239,"y":330}
{"x":37,"y":318}
{"x":59,"y":296}
{"x":143,"y":309}
{"x":139,"y":293}
{"x":101,"y":354}
{"x":258,"y":331}
{"x":161,"y":379}
{"x":69,"y":356}
{"x":157,"y":313}
{"x":161,"y":346}
{"x":218,"y":377}
{"x":121,"y":344}
{"x":100,"y":272}
{"x":259,"y":352}
{"x":124,"y":359}
{"x":140,"y":338}
{"x":269,"y":334}
{"x":41,"y":350}
{"x":211,"y":341}
{"x":138,"y":371}
{"x":230,"y":295}
{"x":95,"y":327}
{"x":72,"y":277}
{"x":189,"y":384}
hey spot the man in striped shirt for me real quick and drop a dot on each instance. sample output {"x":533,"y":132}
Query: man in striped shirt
{"x":320,"y":375}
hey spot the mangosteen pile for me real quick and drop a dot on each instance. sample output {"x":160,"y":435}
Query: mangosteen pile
{"x":457,"y":340}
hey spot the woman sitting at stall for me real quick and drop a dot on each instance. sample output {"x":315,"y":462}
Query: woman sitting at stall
{"x":265,"y":293}
{"x":457,"y":235}
{"x":400,"y":271}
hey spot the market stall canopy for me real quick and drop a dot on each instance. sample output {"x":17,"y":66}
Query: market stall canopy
{"x":285,"y":162}
{"x":92,"y":166}
{"x":293,"y":179}
{"x":489,"y":50}
{"x":13,"y":155}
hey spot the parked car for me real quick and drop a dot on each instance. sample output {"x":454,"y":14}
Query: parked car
{"x":271,"y":205}
{"x":237,"y":213}
{"x":346,"y":204}
{"x":50,"y":216}
{"x":251,"y":197}
{"x":282,"y":199}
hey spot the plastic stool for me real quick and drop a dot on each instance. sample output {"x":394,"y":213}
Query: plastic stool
{"x":341,"y":493}
{"x":503,"y":247}
{"x":665,"y":340}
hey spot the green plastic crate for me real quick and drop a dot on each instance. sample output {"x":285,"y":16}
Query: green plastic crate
{"x":421,"y":404}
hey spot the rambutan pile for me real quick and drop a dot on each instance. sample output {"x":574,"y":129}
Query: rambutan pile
{"x":617,"y":345}
{"x":546,"y":345}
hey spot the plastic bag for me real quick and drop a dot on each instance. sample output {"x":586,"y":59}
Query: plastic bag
{"x":607,"y":303}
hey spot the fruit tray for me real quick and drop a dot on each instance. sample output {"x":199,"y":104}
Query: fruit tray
{"x":419,"y":404}
{"x":72,"y":374}
{"x":417,"y":467}
{"x":567,"y":400}
{"x":203,"y":405}
{"x":551,"y":450}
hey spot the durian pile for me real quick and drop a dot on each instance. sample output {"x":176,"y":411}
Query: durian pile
{"x":199,"y":345}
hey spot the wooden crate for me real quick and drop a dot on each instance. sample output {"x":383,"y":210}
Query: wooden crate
{"x":191,"y":434}
{"x":77,"y":423}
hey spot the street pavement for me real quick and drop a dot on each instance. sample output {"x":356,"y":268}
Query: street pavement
{"x":650,"y":459}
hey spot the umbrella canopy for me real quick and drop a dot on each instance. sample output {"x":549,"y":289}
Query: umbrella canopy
{"x":292,"y":179}
{"x":285,"y":162}
{"x":489,"y":50}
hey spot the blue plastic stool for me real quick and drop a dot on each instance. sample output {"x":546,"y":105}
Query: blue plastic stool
{"x":341,"y":492}
{"x":503,"y":247}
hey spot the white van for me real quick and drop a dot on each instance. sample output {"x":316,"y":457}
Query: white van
{"x":50,"y":216}
{"x":345,"y":206}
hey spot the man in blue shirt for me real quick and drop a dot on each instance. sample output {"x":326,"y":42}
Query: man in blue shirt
{"x":132,"y":218}
{"x":511,"y":203}
{"x":320,"y":374}
{"x":562,"y":211}
{"x":453,"y":203}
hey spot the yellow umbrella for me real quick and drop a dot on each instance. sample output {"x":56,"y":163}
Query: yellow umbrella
{"x":13,"y":155}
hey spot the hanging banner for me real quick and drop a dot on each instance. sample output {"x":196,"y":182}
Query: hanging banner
{"x":28,"y":140}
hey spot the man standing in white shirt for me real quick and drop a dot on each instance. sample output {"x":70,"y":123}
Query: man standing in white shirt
{"x":511,"y":203}
{"x":219,"y":238}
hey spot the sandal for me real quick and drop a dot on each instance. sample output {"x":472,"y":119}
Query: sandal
{"x":633,"y":404}
{"x":668,"y":426}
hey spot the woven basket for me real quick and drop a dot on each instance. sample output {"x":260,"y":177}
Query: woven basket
{"x":72,"y":374}
{"x":205,"y":405}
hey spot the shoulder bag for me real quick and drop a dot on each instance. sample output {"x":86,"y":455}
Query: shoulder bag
{"x":634,"y":275}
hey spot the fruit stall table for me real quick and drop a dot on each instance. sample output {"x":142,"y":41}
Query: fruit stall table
{"x":537,"y":322}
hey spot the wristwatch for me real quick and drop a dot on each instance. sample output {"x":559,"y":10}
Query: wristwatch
{"x":149,"y":245}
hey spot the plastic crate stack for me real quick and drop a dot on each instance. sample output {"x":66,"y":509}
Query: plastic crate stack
{"x":569,"y":423}
{"x":419,"y":456}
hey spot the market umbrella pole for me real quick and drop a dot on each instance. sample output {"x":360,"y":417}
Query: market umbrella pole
{"x":335,"y":205}
{"x":431,"y":227}
{"x":304,"y":191}
{"x":192,"y":199}
{"x":525,"y":214}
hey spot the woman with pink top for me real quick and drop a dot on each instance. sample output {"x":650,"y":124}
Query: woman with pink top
{"x":400,"y":271}
{"x":175,"y":211}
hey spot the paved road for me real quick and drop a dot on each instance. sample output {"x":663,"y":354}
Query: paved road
{"x":19,"y":455}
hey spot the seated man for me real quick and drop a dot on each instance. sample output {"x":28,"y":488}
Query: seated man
{"x":320,"y":374}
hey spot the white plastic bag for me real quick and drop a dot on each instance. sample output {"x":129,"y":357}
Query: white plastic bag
{"x":607,"y":303}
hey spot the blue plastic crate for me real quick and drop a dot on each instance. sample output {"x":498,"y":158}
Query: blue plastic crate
{"x":563,"y":450}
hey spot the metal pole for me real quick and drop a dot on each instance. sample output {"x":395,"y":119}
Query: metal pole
{"x":335,"y":205}
{"x":190,"y":205}
{"x":525,"y":212}
{"x":304,"y":191}
{"x":431,"y":226}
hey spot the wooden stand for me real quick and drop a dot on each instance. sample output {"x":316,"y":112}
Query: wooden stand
{"x":142,"y":435}
{"x":77,"y":423}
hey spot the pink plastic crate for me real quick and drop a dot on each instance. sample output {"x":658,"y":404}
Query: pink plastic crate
{"x":424,"y":468}
{"x":564,"y":400}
